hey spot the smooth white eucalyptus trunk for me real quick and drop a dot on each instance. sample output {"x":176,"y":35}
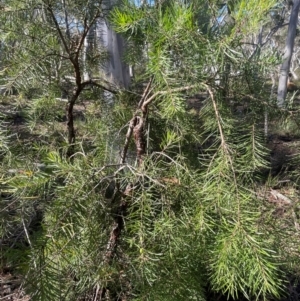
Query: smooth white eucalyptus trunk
{"x":114,"y":70}
{"x":289,"y":47}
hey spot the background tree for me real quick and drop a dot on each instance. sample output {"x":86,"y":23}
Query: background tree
{"x":289,"y":48}
{"x":48,"y":51}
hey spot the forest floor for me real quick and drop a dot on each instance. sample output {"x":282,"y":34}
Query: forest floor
{"x":11,"y":287}
{"x":279,"y":190}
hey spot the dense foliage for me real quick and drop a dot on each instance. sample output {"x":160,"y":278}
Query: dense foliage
{"x":156,"y":192}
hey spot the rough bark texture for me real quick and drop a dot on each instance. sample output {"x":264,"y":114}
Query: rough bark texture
{"x":70,"y":117}
{"x":138,"y":134}
{"x":284,"y":70}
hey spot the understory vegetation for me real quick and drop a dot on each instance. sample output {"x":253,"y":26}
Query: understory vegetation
{"x":183,"y":186}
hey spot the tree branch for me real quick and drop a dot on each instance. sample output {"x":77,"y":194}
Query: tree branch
{"x":127,"y":140}
{"x":104,"y":85}
{"x":85,"y":32}
{"x":49,"y":8}
{"x":146,"y":93}
{"x":150,"y":99}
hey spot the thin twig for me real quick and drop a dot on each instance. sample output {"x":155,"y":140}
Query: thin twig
{"x":104,"y":85}
{"x":85,"y":32}
{"x":150,"y":99}
{"x":146,"y":93}
{"x":127,"y":140}
{"x":223,"y":142}
{"x":28,"y":239}
{"x":49,"y":8}
{"x":96,"y":293}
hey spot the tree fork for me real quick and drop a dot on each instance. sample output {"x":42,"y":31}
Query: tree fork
{"x":135,"y":128}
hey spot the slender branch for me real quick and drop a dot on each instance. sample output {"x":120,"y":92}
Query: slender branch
{"x":81,"y":40}
{"x":146,"y":93}
{"x":127,"y":140}
{"x":66,"y":20}
{"x":223,"y":142}
{"x":261,"y":43}
{"x":225,"y":147}
{"x":150,"y":99}
{"x":138,"y":133}
{"x":85,"y":32}
{"x":104,"y":85}
{"x":49,"y":8}
{"x":272,"y":32}
{"x":135,"y":127}
{"x":28,"y":239}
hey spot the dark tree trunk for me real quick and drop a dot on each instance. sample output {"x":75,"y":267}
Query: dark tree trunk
{"x":70,"y":120}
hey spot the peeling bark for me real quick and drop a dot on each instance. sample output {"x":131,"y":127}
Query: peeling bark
{"x":138,"y":134}
{"x":115,"y":232}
